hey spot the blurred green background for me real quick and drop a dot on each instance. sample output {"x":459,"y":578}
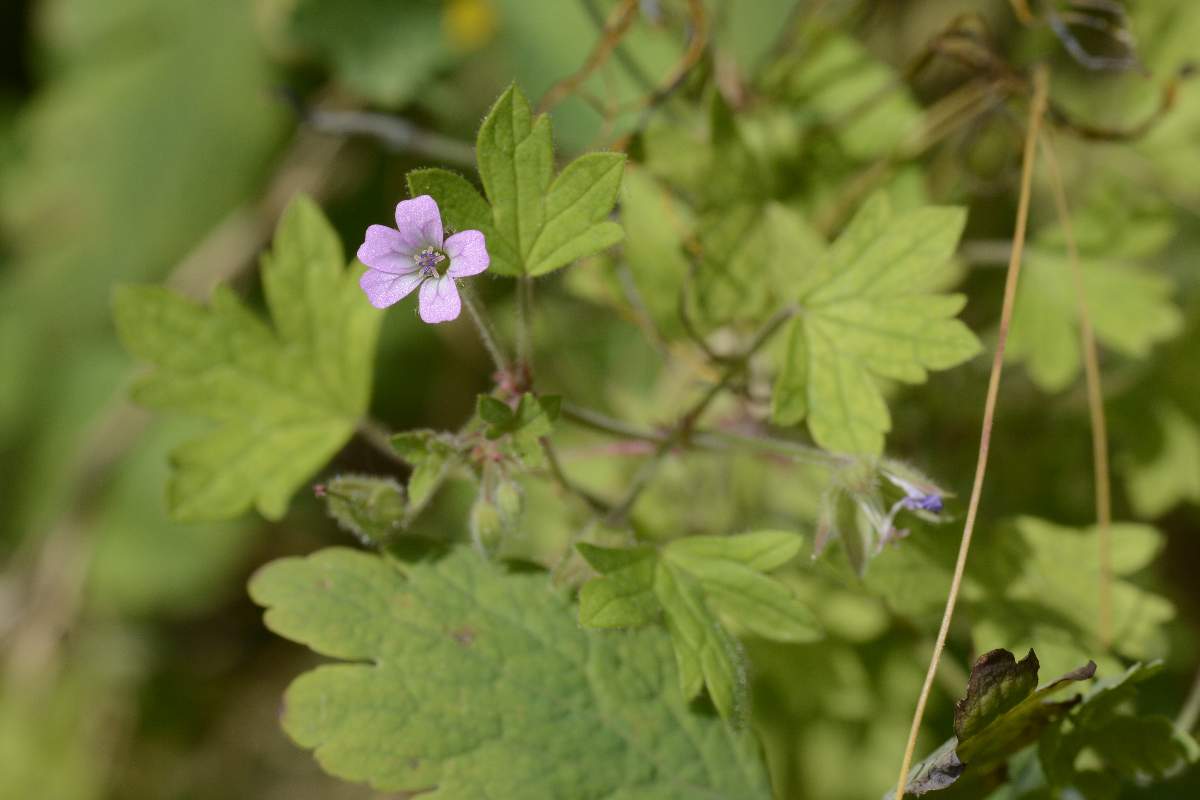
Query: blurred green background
{"x":158,"y":140}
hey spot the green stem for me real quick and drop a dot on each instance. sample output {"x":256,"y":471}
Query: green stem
{"x":594,"y":502}
{"x":796,"y":451}
{"x":486,"y":333}
{"x":1190,"y":712}
{"x":376,"y":434}
{"x":602,"y":423}
{"x":525,"y":322}
{"x":681,"y":430}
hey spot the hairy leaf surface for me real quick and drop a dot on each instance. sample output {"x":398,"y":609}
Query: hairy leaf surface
{"x":469,"y":682}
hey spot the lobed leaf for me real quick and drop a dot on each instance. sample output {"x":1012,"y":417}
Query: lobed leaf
{"x":697,"y":583}
{"x":1130,"y":310}
{"x":284,"y":399}
{"x":534,"y":222}
{"x":868,"y":314}
{"x":477,"y":683}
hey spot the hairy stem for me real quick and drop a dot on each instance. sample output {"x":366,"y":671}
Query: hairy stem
{"x":705,"y":439}
{"x":1036,"y":111}
{"x":1095,"y":396}
{"x":525,"y":322}
{"x":375,"y":433}
{"x":602,"y":423}
{"x":794,"y":451}
{"x":486,"y":334}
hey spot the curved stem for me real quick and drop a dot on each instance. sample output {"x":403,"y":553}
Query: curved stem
{"x":1095,"y":396}
{"x":595,"y":503}
{"x":376,"y":434}
{"x":1036,"y":111}
{"x":794,"y":451}
{"x":602,"y":423}
{"x":486,"y":334}
{"x":680,"y":431}
{"x":1190,"y":713}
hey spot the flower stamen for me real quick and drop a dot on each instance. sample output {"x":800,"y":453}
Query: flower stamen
{"x":427,"y":261}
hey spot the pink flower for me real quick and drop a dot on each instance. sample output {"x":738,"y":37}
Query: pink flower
{"x":413,"y":255}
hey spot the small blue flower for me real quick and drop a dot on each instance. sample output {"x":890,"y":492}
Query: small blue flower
{"x":917,"y":500}
{"x":918,"y":496}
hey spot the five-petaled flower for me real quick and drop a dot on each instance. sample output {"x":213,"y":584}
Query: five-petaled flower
{"x":414,"y":254}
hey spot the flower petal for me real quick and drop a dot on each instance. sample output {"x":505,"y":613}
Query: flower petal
{"x":439,"y":300}
{"x":468,"y":254}
{"x":386,"y":250}
{"x":385,"y":288}
{"x":420,"y":223}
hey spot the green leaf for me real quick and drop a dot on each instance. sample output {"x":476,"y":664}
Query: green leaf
{"x":762,"y":551}
{"x":382,"y":50}
{"x":624,"y":596}
{"x":543,"y":221}
{"x":1172,"y":475}
{"x":1118,"y":233}
{"x":1026,"y":711}
{"x":655,"y":225}
{"x":369,"y":507}
{"x":705,"y":654}
{"x":576,"y":213}
{"x":432,"y":456}
{"x":729,"y":570}
{"x":698,"y":582}
{"x":1127,"y":745}
{"x":523,"y":427}
{"x":729,"y":285}
{"x":478,"y":683}
{"x":1130,"y":310}
{"x":1001,"y":714}
{"x":496,"y":413}
{"x":843,"y":86}
{"x":866,"y":315}
{"x":789,"y":400}
{"x":1039,"y":602}
{"x":283,"y":399}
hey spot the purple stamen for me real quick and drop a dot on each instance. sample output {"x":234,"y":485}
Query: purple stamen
{"x":427,"y":261}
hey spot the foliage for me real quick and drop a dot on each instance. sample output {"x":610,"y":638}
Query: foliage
{"x":683,"y":519}
{"x":480,"y":683}
{"x":538,"y":222}
{"x":1002,"y":713}
{"x":867,"y":313}
{"x":696,"y":583}
{"x":286,"y":399}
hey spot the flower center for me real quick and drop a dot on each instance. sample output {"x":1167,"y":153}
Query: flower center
{"x":427,"y":261}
